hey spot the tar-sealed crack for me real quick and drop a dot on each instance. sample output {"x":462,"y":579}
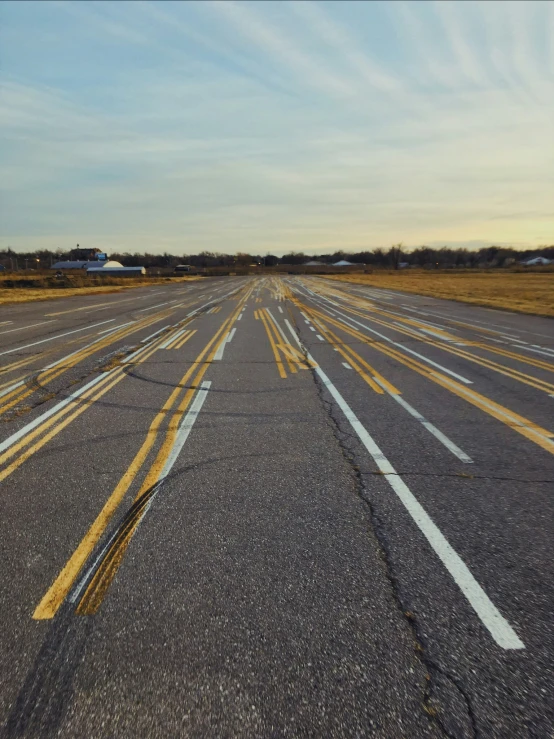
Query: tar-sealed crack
{"x":444,"y":700}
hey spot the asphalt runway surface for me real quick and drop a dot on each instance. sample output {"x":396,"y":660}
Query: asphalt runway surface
{"x":275,"y":507}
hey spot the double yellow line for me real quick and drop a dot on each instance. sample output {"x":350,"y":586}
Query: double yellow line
{"x":356,"y":361}
{"x":19,"y":394}
{"x":537,"y":383}
{"x":514,"y":374}
{"x":106,"y":570}
{"x":294,"y":359}
{"x":525,"y":427}
{"x":181,"y":339}
{"x":66,"y":415}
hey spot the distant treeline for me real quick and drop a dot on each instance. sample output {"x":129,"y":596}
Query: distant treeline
{"x":423,"y":256}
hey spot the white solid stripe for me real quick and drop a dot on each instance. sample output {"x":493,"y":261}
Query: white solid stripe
{"x":497,"y":625}
{"x":410,"y":351}
{"x":172,"y":338}
{"x":428,"y":425}
{"x":185,"y":428}
{"x":221,"y":348}
{"x":58,"y":336}
{"x":11,"y":387}
{"x":44,"y":416}
{"x":513,"y":420}
{"x":22,"y":328}
{"x":151,"y":336}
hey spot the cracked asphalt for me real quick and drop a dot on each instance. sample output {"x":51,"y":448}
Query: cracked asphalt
{"x":276,"y":506}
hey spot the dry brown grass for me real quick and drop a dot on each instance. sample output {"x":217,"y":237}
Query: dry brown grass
{"x":522,"y":292}
{"x":37,"y":287}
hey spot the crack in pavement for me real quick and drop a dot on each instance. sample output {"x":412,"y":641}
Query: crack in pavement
{"x":466,"y":726}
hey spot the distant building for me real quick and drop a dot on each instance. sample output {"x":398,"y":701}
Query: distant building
{"x":343,"y":263}
{"x":536,"y":261}
{"x":114,"y":268}
{"x":183,"y":268}
{"x":109,"y":267}
{"x":313,"y":263}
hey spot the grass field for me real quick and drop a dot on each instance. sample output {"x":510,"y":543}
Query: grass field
{"x":521,"y":292}
{"x":29,"y":288}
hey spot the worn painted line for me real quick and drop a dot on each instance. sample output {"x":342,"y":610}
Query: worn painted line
{"x":221,"y":348}
{"x":12,"y":387}
{"x":58,"y":336}
{"x":498,"y":627}
{"x":444,"y":440}
{"x":172,"y":338}
{"x":151,"y":336}
{"x":513,"y":421}
{"x":22,"y":328}
{"x":11,"y":440}
{"x":108,"y":330}
{"x":159,"y":305}
{"x":406,"y":349}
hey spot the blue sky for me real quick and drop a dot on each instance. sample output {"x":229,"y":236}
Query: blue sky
{"x":271,"y":126}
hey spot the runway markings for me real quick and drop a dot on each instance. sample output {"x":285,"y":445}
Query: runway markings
{"x":65,"y":580}
{"x":58,"y":336}
{"x":443,"y":337}
{"x":356,"y":362}
{"x":523,"y":426}
{"x":159,"y":305}
{"x":498,"y":627}
{"x":174,"y":337}
{"x":23,"y":328}
{"x":188,"y":335}
{"x":58,"y":368}
{"x":102,"y":572}
{"x":96,"y":306}
{"x":281,"y":347}
{"x":74,"y":405}
{"x":349,"y":320}
{"x":444,"y":440}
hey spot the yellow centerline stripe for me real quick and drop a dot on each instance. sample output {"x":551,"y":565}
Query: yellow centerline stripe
{"x":522,"y":425}
{"x":188,"y":336}
{"x":354,"y":359}
{"x":91,"y":395}
{"x":276,"y":354}
{"x":489,"y":364}
{"x":57,"y":593}
{"x":278,"y":340}
{"x":49,"y":375}
{"x":104,"y":575}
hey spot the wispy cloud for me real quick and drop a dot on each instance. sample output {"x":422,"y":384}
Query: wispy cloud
{"x":232,"y":125}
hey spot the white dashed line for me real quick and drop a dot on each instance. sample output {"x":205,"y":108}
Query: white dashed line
{"x":428,"y":425}
{"x":498,"y":627}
